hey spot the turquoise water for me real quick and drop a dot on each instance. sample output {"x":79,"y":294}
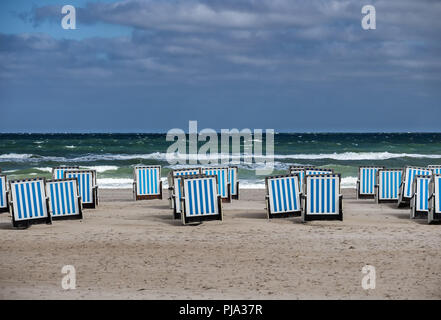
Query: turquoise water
{"x":114,"y":155}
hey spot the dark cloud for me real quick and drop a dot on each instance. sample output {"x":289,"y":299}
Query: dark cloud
{"x":273,"y":51}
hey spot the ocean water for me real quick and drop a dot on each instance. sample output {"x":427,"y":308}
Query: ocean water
{"x":114,"y":155}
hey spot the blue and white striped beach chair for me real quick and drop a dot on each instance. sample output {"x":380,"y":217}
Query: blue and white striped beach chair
{"x":367,"y":180}
{"x":233,"y":179}
{"x":200,"y":200}
{"x":419,"y":203}
{"x":147,"y":183}
{"x":323,"y":199}
{"x":58,"y":172}
{"x":29,"y":203}
{"x":300,"y":170}
{"x":4,"y":205}
{"x":435,"y":199}
{"x":64,"y":199}
{"x":435,"y":169}
{"x":283,"y":196}
{"x":388,"y":185}
{"x":224,"y":187}
{"x":175,"y":181}
{"x":407,"y":182}
{"x":86,"y":186}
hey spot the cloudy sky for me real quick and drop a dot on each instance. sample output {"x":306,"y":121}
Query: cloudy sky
{"x":290,"y":65}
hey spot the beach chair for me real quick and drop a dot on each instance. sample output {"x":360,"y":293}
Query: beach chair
{"x":233,"y":179}
{"x":322,"y":197}
{"x":367,"y":180}
{"x":29,"y":203}
{"x":4,"y":204}
{"x":435,"y":169}
{"x":282,"y":196}
{"x":314,"y":171}
{"x":435,"y":199}
{"x":175,"y":181}
{"x":58,"y":172}
{"x":406,"y":183}
{"x":64,"y":199}
{"x":300,"y":170}
{"x":200,"y":199}
{"x":224,"y":187}
{"x":87,"y":187}
{"x":388,"y":185}
{"x":419,"y":203}
{"x":147,"y":183}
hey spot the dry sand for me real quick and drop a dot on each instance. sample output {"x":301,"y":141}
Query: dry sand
{"x":134,"y":250}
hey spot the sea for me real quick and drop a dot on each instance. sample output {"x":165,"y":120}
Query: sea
{"x":113,"y":155}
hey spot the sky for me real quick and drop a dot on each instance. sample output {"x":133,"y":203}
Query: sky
{"x":288,"y":65}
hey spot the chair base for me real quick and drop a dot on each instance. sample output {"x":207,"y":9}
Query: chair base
{"x":176,"y":215}
{"x":419,"y":214}
{"x":365,"y":196}
{"x":200,"y":219}
{"x":227,"y":200}
{"x":433,"y":217}
{"x":284,"y":214}
{"x":6,"y":209}
{"x":24,"y":224}
{"x":68,"y":217}
{"x":89,"y":205}
{"x":149,"y":197}
{"x":235,"y":196}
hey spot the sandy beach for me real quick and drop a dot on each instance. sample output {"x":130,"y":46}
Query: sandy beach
{"x":134,"y":250}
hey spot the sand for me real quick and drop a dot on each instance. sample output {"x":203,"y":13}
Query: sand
{"x":134,"y":250}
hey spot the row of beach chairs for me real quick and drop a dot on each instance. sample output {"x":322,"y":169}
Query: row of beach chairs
{"x":197,"y":194}
{"x":414,"y":187}
{"x":38,"y":200}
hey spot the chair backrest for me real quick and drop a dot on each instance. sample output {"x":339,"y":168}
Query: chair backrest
{"x":222,"y":179}
{"x":315,"y":171}
{"x":58,"y":172}
{"x":435,"y":169}
{"x":233,"y":178}
{"x":367,"y":176}
{"x":3,"y":190}
{"x":200,"y":195}
{"x":177,"y":181}
{"x":148,"y":180}
{"x":437,"y":195}
{"x":283,"y":193}
{"x":409,"y":176}
{"x":28,"y":199}
{"x":421,"y":193}
{"x":63,"y":197}
{"x":322,"y":194}
{"x":86,"y":183}
{"x":300,"y":171}
{"x":389,"y":183}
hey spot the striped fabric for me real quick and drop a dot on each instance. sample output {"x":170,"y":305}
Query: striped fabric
{"x":148,"y":180}
{"x":435,"y":169}
{"x":322,"y":194}
{"x":200,"y":196}
{"x":283,"y":194}
{"x":58,"y":172}
{"x":222,"y":178}
{"x":3,"y":189}
{"x":177,"y":181}
{"x":28,"y":199}
{"x":301,"y":174}
{"x":421,"y":190}
{"x":410,"y":174}
{"x":86,"y":182}
{"x":63,"y":197}
{"x":389,"y":184}
{"x":233,"y":178}
{"x":437,"y":195}
{"x":318,"y":171}
{"x":367,"y":176}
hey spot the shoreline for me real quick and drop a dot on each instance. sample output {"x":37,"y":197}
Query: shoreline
{"x":135,"y":250}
